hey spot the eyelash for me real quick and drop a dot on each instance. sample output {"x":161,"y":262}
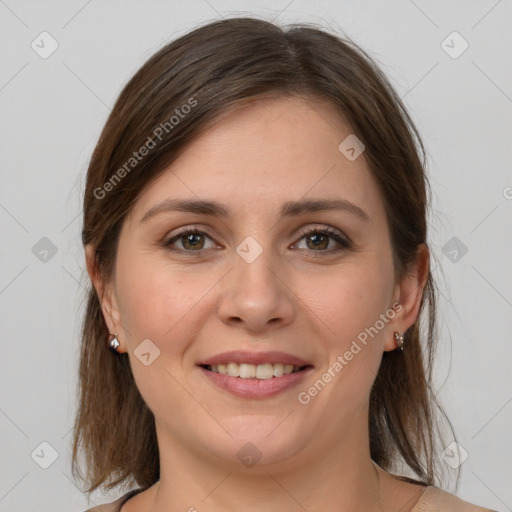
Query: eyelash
{"x":343,"y":241}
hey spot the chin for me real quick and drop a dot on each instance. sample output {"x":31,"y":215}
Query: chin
{"x":262,"y":441}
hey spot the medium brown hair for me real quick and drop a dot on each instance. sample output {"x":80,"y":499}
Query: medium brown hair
{"x":217,"y":68}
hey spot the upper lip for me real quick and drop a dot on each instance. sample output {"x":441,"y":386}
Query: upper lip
{"x":241,"y":356}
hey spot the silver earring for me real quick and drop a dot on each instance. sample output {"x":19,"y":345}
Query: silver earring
{"x":113,"y":343}
{"x":400,"y":340}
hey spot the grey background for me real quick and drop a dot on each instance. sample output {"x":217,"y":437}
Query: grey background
{"x":52,"y":112}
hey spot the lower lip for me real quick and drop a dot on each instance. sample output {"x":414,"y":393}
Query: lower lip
{"x":255,"y":388}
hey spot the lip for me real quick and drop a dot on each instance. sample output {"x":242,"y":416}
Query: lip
{"x":255,"y":388}
{"x":242,"y":356}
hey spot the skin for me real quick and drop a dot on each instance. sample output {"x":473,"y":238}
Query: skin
{"x":307,"y":301}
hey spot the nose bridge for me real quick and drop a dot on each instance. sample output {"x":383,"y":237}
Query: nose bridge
{"x":255,"y":293}
{"x":254,"y":272}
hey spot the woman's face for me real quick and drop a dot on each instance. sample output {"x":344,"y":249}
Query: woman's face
{"x":263,"y":281}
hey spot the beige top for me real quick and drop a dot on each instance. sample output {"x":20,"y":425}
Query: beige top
{"x":431,"y":500}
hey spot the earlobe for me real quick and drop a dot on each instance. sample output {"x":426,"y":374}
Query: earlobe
{"x":410,"y":294}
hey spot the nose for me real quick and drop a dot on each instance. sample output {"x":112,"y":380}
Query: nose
{"x":256,"y":295}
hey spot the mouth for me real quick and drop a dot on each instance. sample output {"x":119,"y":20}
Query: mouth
{"x":254,"y":375}
{"x":263,"y":371}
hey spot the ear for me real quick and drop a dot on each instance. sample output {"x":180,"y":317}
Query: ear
{"x":106,"y":297}
{"x":408,"y":294}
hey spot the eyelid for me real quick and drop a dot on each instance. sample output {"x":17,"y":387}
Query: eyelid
{"x":344,"y":241}
{"x":190,"y":227}
{"x":340,"y":238}
{"x":301,"y":232}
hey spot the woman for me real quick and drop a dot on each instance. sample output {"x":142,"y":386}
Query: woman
{"x":255,"y":231}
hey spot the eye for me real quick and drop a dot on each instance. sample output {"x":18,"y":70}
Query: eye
{"x":192,"y":241}
{"x":319,"y":239}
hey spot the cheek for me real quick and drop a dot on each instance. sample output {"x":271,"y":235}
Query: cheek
{"x":155,"y":300}
{"x":350,"y":300}
{"x":350,"y":305}
{"x":154,"y":304}
{"x":167,"y":307}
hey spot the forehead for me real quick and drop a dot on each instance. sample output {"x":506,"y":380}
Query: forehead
{"x":264,"y":154}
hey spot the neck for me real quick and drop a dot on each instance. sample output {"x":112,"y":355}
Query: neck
{"x":343,"y":479}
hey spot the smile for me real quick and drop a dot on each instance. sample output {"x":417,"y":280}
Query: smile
{"x":255,"y":371}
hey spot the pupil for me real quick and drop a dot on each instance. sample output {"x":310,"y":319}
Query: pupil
{"x":193,"y":240}
{"x":317,"y":240}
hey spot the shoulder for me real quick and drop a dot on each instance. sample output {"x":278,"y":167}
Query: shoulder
{"x":114,"y":506}
{"x":434,"y":499}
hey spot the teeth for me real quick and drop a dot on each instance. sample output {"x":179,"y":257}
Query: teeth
{"x":278,"y":369}
{"x":250,"y":371}
{"x":264,"y":371}
{"x":233,"y":370}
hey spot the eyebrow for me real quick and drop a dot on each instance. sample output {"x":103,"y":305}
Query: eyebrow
{"x":288,"y":209}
